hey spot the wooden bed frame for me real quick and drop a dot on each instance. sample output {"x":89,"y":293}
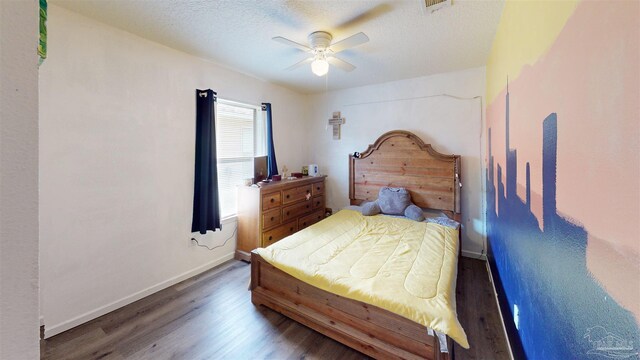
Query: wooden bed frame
{"x":398,"y":159}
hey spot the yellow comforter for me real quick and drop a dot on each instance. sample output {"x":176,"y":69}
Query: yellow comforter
{"x":400,"y":265}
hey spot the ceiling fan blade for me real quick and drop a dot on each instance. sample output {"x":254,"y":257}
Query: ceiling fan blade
{"x":285,"y":41}
{"x":340,"y":64}
{"x":352,"y":41}
{"x":358,"y":20}
{"x":300,"y":63}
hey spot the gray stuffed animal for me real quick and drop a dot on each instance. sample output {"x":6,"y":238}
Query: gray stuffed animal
{"x":393,"y":201}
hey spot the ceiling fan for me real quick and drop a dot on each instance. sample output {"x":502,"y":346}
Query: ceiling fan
{"x":322,"y":51}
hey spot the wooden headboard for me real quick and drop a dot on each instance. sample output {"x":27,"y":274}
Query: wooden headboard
{"x":400,"y":159}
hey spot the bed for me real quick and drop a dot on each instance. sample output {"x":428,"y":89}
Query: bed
{"x":396,"y":159}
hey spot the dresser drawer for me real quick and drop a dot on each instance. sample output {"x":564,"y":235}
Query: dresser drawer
{"x":292,"y":211}
{"x":282,"y":231}
{"x":318,"y":188}
{"x":296,"y":194}
{"x":318,"y":202}
{"x":310,"y":219}
{"x":270,"y":201}
{"x":271,"y":218}
{"x":275,"y":210}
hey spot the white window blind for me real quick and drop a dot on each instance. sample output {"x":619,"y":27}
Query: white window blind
{"x":235,"y":136}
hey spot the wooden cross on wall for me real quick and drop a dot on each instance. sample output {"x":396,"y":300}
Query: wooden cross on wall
{"x":336,"y":120}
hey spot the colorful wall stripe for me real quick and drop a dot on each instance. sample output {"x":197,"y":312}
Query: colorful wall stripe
{"x":526,"y":31}
{"x":563,"y":170}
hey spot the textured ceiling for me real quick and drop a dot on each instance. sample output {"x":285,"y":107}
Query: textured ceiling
{"x":405,"y":41}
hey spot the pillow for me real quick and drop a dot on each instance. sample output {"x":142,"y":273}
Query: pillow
{"x":444,"y":221}
{"x":432,"y":213}
{"x":370,"y":208}
{"x":393,"y":201}
{"x":413,"y":212}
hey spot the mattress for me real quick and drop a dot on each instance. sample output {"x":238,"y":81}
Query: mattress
{"x":403,"y":266}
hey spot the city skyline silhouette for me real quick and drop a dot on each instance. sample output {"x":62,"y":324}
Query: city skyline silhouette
{"x":544,"y":271}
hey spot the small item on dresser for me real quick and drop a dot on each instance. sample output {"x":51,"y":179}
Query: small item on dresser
{"x":259,"y":168}
{"x":305,"y":170}
{"x":276,"y":178}
{"x":248,"y":182}
{"x":313,"y":170}
{"x":296,"y":174}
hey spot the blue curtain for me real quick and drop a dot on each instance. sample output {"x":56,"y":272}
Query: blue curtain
{"x":206,"y":204}
{"x":272,"y":166}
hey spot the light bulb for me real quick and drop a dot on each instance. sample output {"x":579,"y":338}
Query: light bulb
{"x":320,"y":66}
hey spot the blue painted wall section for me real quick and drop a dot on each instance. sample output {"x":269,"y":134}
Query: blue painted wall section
{"x":563,"y":312}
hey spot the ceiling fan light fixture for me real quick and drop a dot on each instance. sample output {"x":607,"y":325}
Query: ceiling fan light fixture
{"x":320,"y":66}
{"x":321,"y":46}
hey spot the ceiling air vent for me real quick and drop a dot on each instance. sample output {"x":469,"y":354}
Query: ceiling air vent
{"x":429,"y":6}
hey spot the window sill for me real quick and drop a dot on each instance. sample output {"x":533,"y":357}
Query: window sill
{"x":229,"y":219}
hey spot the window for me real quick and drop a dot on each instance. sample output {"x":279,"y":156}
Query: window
{"x":240,"y":136}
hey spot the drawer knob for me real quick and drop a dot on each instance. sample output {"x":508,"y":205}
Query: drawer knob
{"x":270,"y":237}
{"x":318,"y":188}
{"x":272,"y":199}
{"x":307,"y":206}
{"x":287,"y":213}
{"x":317,"y":202}
{"x":291,"y":228}
{"x":304,"y":224}
{"x":272,"y":218}
{"x":287,"y":196}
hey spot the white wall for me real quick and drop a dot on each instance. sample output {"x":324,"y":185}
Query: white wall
{"x":19,"y":326}
{"x":452,"y":126}
{"x":117,"y":155}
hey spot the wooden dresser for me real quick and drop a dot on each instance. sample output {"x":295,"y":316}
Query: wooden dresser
{"x":276,"y":210}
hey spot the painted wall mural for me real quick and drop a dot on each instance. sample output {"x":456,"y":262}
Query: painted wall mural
{"x":563,"y":177}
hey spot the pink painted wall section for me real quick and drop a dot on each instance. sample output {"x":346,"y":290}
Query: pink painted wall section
{"x":590,"y":78}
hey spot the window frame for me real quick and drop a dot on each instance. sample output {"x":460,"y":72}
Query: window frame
{"x":259,"y":139}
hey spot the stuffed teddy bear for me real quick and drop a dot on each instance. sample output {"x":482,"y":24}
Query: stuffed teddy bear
{"x":393,"y":201}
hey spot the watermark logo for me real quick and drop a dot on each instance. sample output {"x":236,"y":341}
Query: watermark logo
{"x":608,"y":344}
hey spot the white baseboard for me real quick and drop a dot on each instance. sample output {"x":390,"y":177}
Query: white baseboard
{"x":52,"y":330}
{"x":495,"y":294}
{"x":474,"y":255}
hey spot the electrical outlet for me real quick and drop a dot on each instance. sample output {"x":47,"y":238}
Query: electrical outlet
{"x":516,"y":316}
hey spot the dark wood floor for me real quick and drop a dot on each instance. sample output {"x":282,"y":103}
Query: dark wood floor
{"x":211,"y":316}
